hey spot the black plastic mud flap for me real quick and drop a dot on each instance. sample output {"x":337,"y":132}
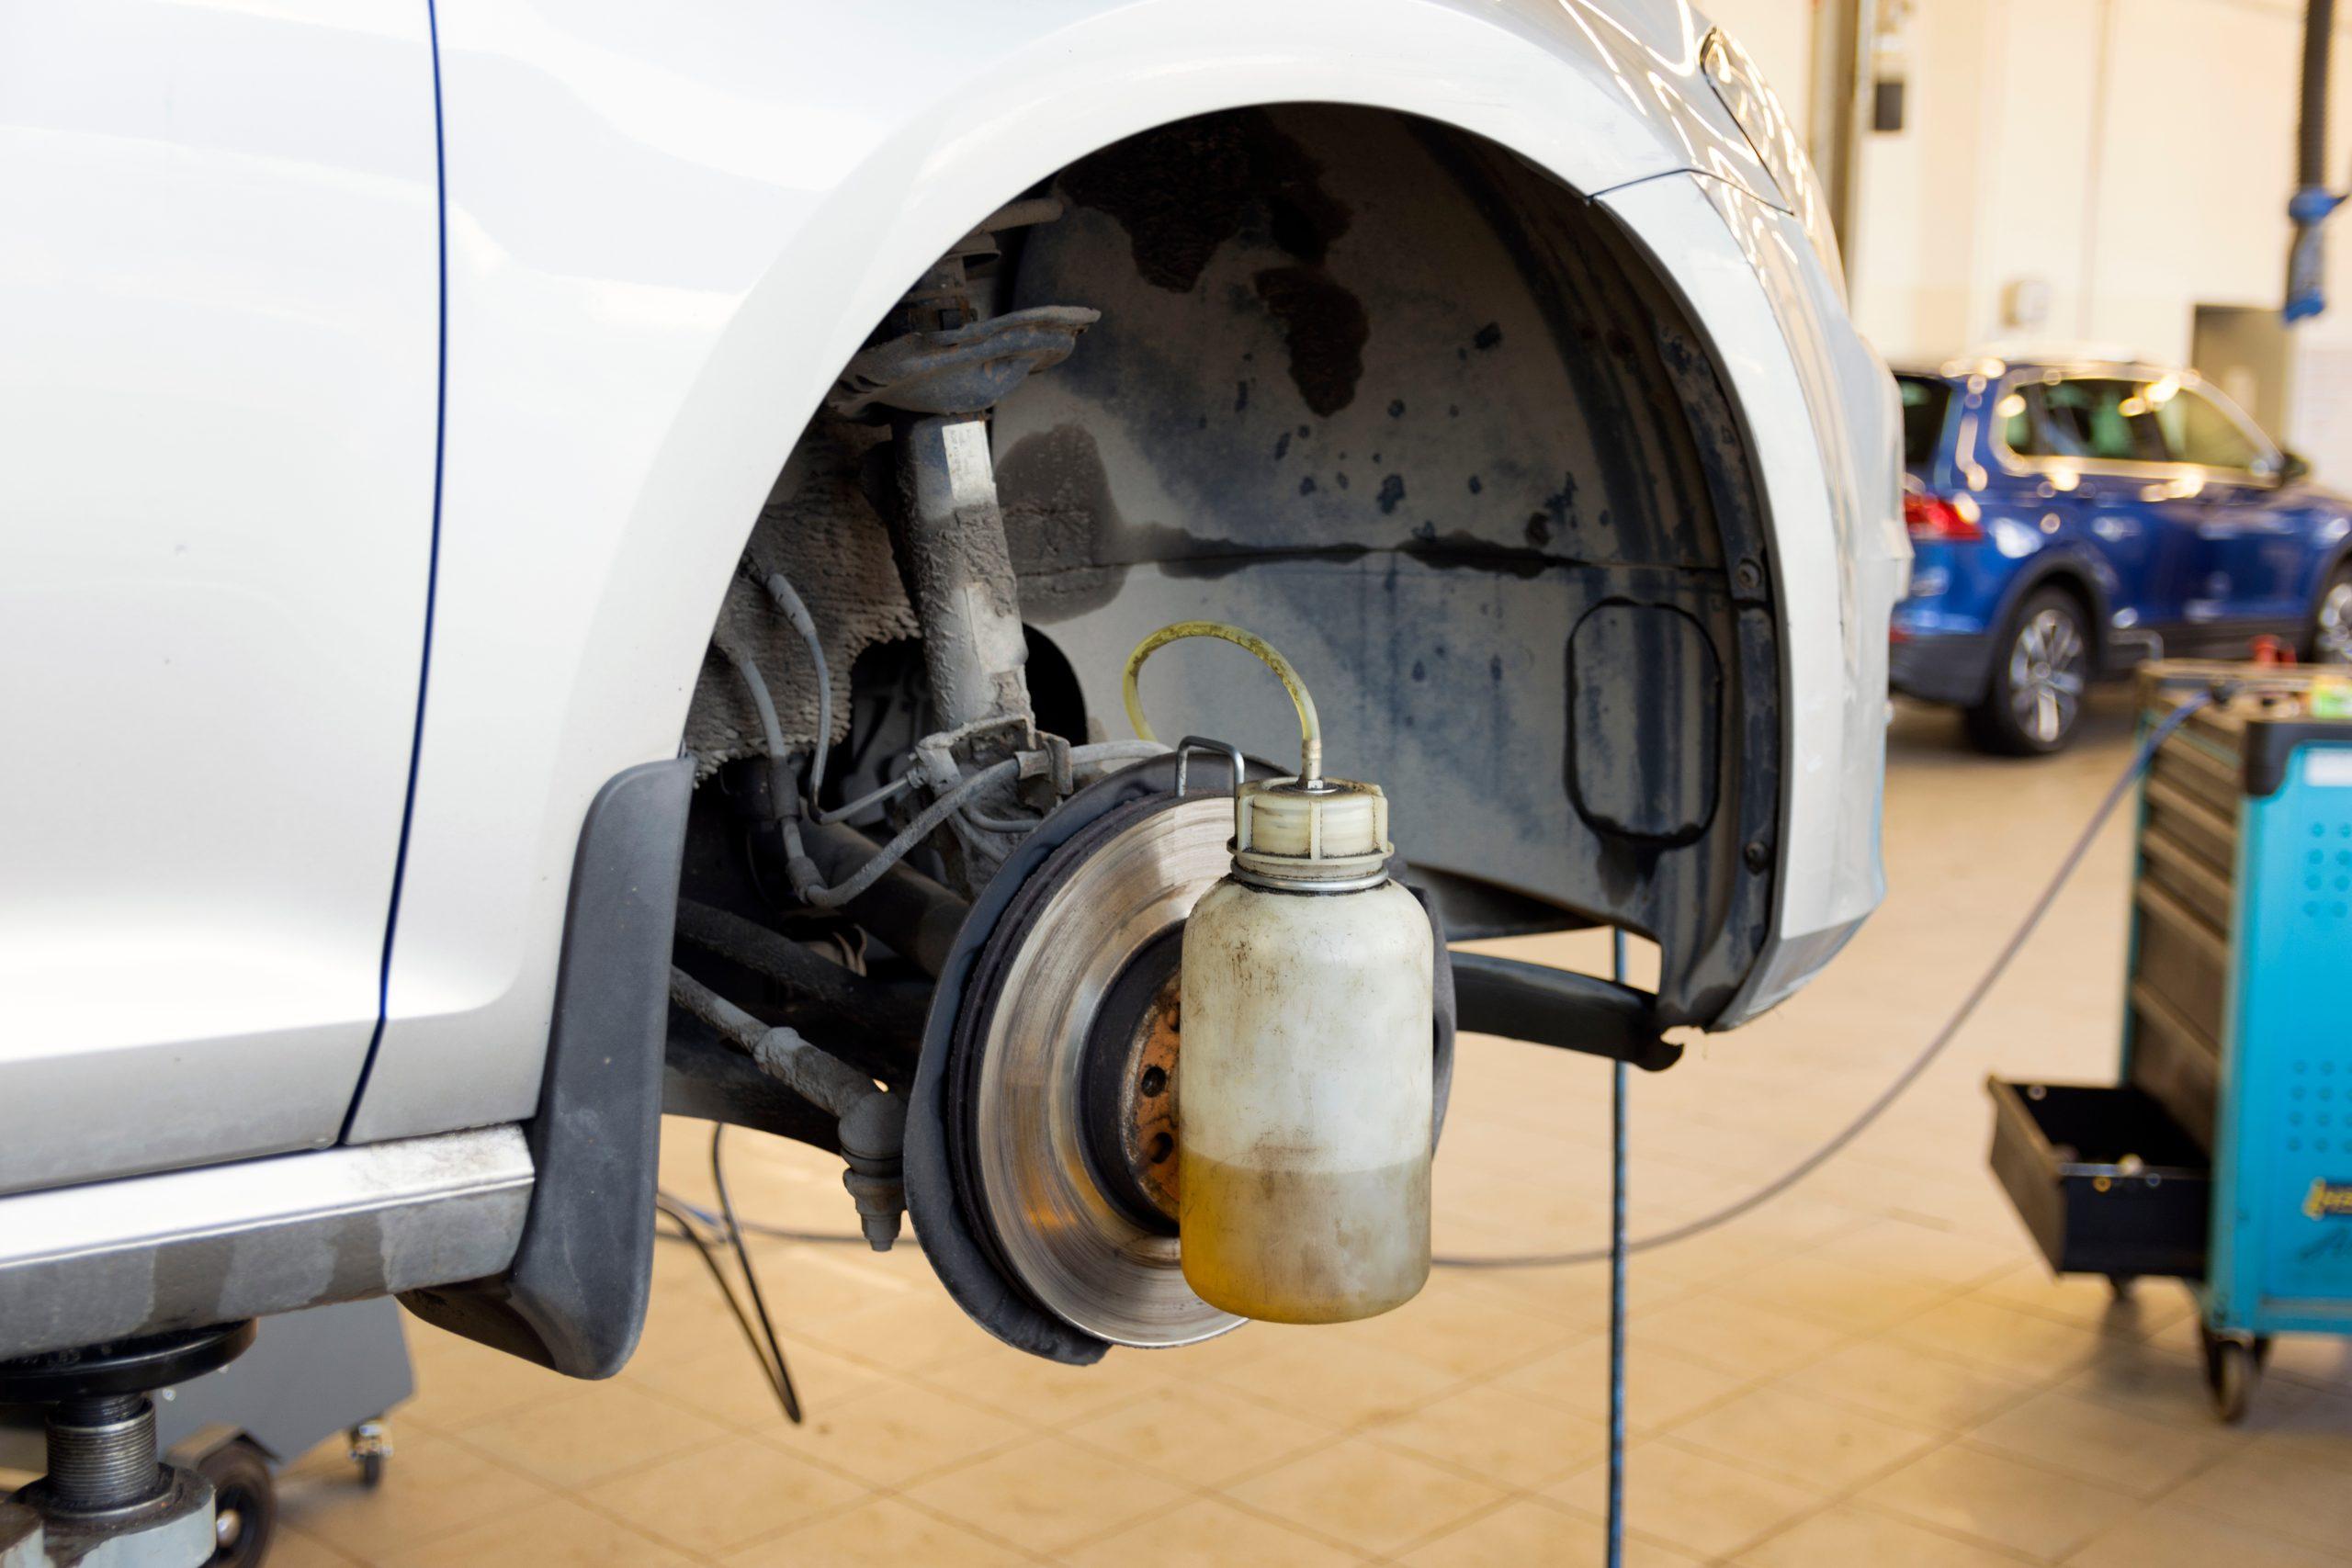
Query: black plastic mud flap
{"x":574,"y":1297}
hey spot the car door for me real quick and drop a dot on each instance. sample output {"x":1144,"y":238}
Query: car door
{"x":2092,"y":463}
{"x":218,"y":366}
{"x":2247,"y":564}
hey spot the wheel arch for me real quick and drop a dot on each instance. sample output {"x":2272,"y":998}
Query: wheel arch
{"x":645,"y":508}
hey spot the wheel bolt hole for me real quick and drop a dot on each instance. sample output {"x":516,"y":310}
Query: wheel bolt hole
{"x":1162,"y":1145}
{"x":1155,"y":1081}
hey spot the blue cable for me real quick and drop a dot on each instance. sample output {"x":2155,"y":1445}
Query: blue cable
{"x":1617,"y":1280}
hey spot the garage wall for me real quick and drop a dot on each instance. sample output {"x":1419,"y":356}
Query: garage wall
{"x":2133,"y":155}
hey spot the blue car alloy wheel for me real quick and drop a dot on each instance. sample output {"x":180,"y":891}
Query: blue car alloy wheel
{"x":2332,"y":622}
{"x":2039,"y":672}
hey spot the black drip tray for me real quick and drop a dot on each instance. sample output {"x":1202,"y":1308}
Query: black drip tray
{"x":2108,"y":1182}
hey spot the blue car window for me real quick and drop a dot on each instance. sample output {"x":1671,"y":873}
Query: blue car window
{"x":2102,"y":419}
{"x":1926,"y":401}
{"x":2196,"y":431}
{"x":2019,"y":413}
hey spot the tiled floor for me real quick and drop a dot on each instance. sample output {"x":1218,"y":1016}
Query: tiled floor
{"x":1872,"y":1372}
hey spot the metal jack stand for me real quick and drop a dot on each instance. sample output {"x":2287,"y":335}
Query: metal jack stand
{"x":109,"y":1501}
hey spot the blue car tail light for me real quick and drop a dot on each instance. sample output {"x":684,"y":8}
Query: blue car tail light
{"x":1933,"y":517}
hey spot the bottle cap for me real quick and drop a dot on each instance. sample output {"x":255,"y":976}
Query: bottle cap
{"x":1332,"y":838}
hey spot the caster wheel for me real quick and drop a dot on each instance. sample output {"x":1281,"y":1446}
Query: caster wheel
{"x":2233,"y":1369}
{"x":371,"y":1450}
{"x":245,"y":1504}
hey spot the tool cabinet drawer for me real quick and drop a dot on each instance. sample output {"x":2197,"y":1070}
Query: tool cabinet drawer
{"x":2183,"y":957}
{"x":2104,"y":1180}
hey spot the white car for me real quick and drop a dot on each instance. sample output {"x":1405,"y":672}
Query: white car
{"x":436,"y":436}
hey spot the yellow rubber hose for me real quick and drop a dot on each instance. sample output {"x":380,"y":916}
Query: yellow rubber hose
{"x":1310,"y":750}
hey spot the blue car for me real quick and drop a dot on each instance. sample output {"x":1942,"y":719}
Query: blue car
{"x":2069,"y":519}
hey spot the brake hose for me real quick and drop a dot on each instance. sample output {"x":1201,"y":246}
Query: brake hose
{"x":1311,"y":750}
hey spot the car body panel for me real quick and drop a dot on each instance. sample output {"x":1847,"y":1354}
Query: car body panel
{"x":2181,"y":557}
{"x":219,"y":392}
{"x":666,"y":237}
{"x":664,"y":233}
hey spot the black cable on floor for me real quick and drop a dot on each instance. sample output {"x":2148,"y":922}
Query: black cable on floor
{"x":772,"y":1353}
{"x":766,"y":1346}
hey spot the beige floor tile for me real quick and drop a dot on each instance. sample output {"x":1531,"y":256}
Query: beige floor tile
{"x":433,"y":1486}
{"x":2325,"y":1362}
{"x":1200,"y":1433}
{"x":884,"y":1533}
{"x":898,"y":1432}
{"x":1913,"y":1251}
{"x":1345,"y":1384}
{"x":1498,"y":1433}
{"x":1529,"y":1533}
{"x":2004,"y":1338}
{"x":903,"y":1335}
{"x":459,"y":1383}
{"x":2091,"y":1302}
{"x":1045,"y":1496}
{"x":557,"y":1533}
{"x":1842,"y":1295}
{"x":2159,"y":1383}
{"x":2001,"y":1501}
{"x":724,"y":1383}
{"x":1908,"y":1384}
{"x":1209,"y":1532}
{"x":597,"y":1431}
{"x":1830,"y":1448}
{"x":2310,"y":1503}
{"x":804,"y":1282}
{"x":713,"y":1499}
{"x":1687,"y":1499}
{"x":2171,"y":1536}
{"x":291,"y":1548}
{"x":1734,"y":1336}
{"x":1047,"y":1394}
{"x":2101,"y":1443}
{"x":1661,"y":1388}
{"x":1576,"y":1298}
{"x":1371,"y":1497}
{"x":1463,"y":1329}
{"x":1849,"y":1536}
{"x":2316,"y":1429}
{"x":1227,"y":1352}
{"x":686,"y":1319}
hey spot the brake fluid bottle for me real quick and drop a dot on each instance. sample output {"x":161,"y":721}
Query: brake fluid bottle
{"x":1304,"y":1079}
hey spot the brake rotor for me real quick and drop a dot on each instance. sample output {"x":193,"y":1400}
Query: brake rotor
{"x":1040,"y":1159}
{"x":1066,"y":1130}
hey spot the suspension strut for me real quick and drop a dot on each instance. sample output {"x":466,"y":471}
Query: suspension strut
{"x":936,"y":378}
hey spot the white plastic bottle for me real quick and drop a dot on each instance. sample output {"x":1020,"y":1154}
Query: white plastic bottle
{"x":1304,"y":1081}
